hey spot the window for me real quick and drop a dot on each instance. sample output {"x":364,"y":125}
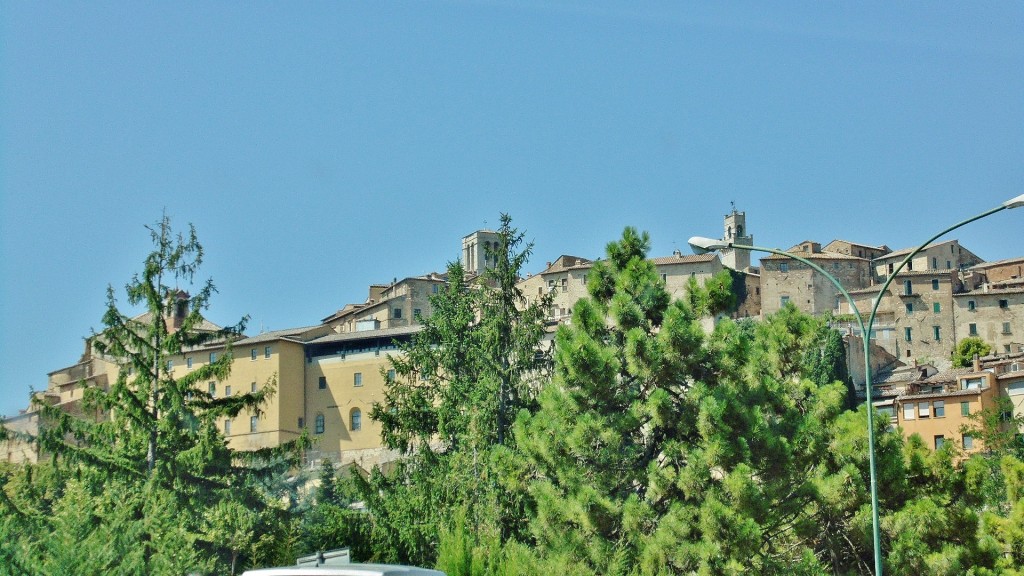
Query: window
{"x":939,"y":441}
{"x":212,"y":389}
{"x":565,"y":284}
{"x":664,"y":278}
{"x":910,"y":307}
{"x":266,"y":351}
{"x":936,"y":307}
{"x":318,"y":425}
{"x":1006,"y":328}
{"x":910,"y":265}
{"x":908,"y":411}
{"x":302,"y":422}
{"x":170,"y":365}
{"x":783,"y":301}
{"x":949,"y":265}
{"x":908,"y":287}
{"x":965,"y":408}
{"x":908,"y":334}
{"x":357,"y":379}
{"x":783,"y":266}
{"x":252,"y":354}
{"x":433,"y":289}
{"x":188,"y":362}
{"x":935,"y":283}
{"x":322,"y":383}
{"x":391,"y":375}
{"x":891,"y":267}
{"x":213,"y":357}
{"x":397,"y":313}
{"x":227,"y":390}
{"x":935,"y":262}
{"x":924,"y":410}
{"x":972,"y":329}
{"x":968,"y":442}
{"x":417,"y":313}
{"x":971,"y":305}
{"x":355,"y":419}
{"x":971,"y":384}
{"x":252,"y":387}
{"x":940,"y":408}
{"x":227,"y":427}
{"x":1004,"y":304}
{"x":252,"y":423}
{"x":936,"y":334}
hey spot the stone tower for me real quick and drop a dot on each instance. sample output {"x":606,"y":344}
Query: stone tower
{"x":735,"y":229}
{"x":476,"y":256}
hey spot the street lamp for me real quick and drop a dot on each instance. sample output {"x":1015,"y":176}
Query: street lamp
{"x":701,"y":245}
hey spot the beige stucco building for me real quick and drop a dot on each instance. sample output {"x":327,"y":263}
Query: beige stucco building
{"x":939,"y":406}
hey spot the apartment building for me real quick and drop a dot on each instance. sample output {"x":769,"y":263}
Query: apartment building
{"x":939,"y":406}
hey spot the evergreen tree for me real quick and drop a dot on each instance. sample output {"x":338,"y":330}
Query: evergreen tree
{"x":456,"y":389}
{"x":151,"y":480}
{"x":658,"y":450}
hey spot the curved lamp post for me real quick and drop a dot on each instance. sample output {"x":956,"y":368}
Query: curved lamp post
{"x":701,"y":245}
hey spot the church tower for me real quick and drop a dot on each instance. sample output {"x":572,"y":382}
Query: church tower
{"x":478,"y":251}
{"x":735,"y":229}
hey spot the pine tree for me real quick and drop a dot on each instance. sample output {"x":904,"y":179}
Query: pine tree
{"x":456,"y":390}
{"x":154,"y":442}
{"x":659,"y":450}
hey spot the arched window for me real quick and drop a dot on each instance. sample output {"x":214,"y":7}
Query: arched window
{"x":319,"y":427}
{"x":355,"y":419}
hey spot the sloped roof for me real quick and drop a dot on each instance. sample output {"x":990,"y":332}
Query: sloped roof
{"x":271,"y":335}
{"x":814,"y":256}
{"x":997,"y":263}
{"x":684,"y":259}
{"x":360,"y":335}
{"x":905,"y":251}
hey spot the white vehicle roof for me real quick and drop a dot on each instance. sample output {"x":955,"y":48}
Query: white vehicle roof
{"x":346,"y":570}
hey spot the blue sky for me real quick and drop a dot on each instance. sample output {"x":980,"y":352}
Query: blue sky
{"x":321,"y":147}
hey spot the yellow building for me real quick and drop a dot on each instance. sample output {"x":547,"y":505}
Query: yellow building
{"x":939,"y":406}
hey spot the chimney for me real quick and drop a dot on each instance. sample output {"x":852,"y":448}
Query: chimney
{"x":177,"y":304}
{"x":976,"y":362}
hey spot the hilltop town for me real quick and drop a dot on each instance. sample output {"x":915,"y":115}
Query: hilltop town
{"x":330,"y":373}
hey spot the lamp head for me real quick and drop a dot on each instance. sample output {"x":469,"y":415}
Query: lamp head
{"x":702,"y":245}
{"x":1014,"y":202}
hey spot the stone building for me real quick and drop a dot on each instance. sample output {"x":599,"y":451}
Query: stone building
{"x":565,"y":279}
{"x":854,"y":249}
{"x":948,"y":255}
{"x":392,"y":305}
{"x":785,"y":280}
{"x":1000,"y":270}
{"x":994,"y":313}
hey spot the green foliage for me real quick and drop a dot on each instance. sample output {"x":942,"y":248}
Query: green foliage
{"x":148,"y":486}
{"x":963,"y":356}
{"x":657,"y":449}
{"x":457,"y":386}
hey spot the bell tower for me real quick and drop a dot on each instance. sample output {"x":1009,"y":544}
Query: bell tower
{"x":735,"y":231}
